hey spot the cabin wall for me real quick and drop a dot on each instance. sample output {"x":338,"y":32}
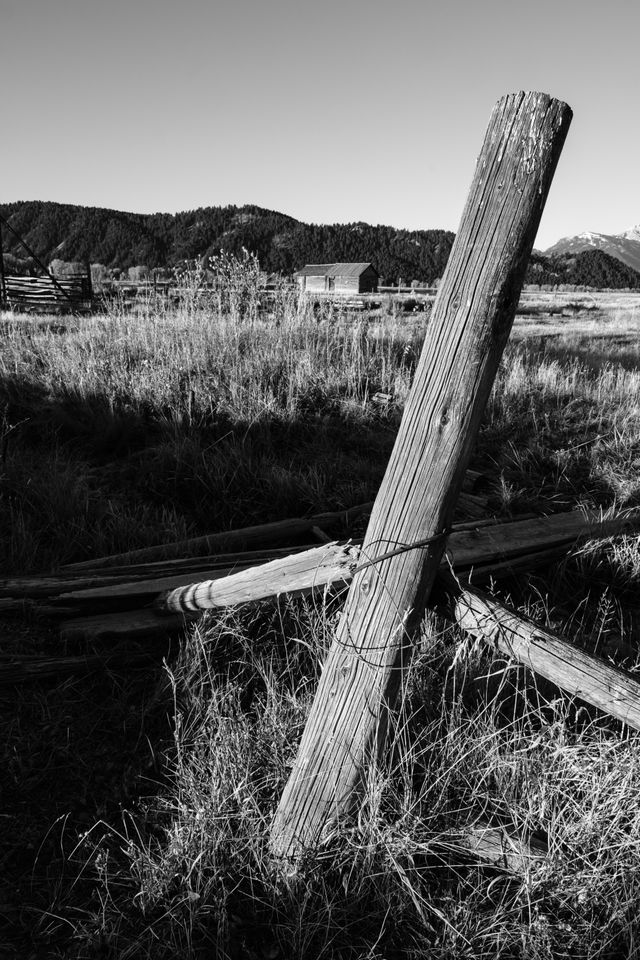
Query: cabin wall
{"x":368,"y":281}
{"x":349,"y":285}
{"x":346,"y":285}
{"x":315,"y":284}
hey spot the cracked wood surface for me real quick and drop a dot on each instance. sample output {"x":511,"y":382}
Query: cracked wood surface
{"x":464,"y":340}
{"x":573,"y":670}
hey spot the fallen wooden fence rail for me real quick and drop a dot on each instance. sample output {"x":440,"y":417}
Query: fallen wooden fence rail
{"x":485,"y":550}
{"x":489,"y":545}
{"x":477,"y":550}
{"x":183,"y":569}
{"x":486,"y":547}
{"x":471,"y":506}
{"x":573,"y":670}
{"x":19,"y":669}
{"x":280,"y":531}
{"x":116,"y":605}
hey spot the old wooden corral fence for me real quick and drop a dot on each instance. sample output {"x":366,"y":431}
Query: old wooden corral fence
{"x":46,"y":292}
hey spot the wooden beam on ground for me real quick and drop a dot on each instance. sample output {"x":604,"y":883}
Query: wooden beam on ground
{"x":293,"y":575}
{"x":480,"y":551}
{"x":487,"y":551}
{"x":465,"y":337}
{"x":502,"y":848}
{"x":206,"y":567}
{"x":575,"y":671}
{"x":318,"y":567}
{"x":52,"y":585}
{"x":134,"y":624}
{"x":16,"y":670}
{"x":265,"y":534}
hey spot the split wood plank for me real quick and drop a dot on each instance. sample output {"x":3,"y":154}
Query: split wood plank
{"x":485,"y":550}
{"x":144,"y":590}
{"x":50,"y":586}
{"x":478,"y":552}
{"x":573,"y":670}
{"x":279,"y":531}
{"x":317,"y":567}
{"x":263,"y":534}
{"x":134,"y":624}
{"x":294,"y":575}
{"x":503,"y":848}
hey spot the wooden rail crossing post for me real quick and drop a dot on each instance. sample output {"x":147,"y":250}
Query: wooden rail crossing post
{"x":405,"y":540}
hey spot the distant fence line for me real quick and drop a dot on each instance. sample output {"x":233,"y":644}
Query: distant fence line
{"x":71,"y":293}
{"x":74,"y":293}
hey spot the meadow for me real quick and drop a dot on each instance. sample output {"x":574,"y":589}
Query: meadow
{"x":137,"y":798}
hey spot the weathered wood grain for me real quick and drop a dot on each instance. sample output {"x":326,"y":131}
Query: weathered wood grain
{"x":329,"y":563}
{"x":265,"y":534}
{"x":133,"y":624}
{"x":573,"y":670}
{"x":464,"y":340}
{"x":487,"y":550}
{"x":503,"y":848}
{"x":280,"y":531}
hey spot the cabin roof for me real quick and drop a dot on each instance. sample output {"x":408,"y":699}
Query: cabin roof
{"x":334,"y":270}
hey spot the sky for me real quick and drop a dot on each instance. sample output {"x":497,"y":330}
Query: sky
{"x":331,"y":112}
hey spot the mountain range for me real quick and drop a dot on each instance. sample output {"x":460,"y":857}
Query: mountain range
{"x":625,"y":247}
{"x":118,"y":241}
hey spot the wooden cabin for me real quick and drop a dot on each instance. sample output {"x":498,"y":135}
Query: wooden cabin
{"x":338,"y":278}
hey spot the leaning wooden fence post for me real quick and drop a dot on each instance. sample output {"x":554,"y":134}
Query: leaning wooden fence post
{"x":465,"y":337}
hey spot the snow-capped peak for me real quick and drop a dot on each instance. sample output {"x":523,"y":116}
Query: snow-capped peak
{"x":624,"y":246}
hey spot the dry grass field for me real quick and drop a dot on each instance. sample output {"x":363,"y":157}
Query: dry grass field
{"x":137,"y":797}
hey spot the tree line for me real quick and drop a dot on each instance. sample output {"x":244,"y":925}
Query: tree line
{"x":161,"y":241}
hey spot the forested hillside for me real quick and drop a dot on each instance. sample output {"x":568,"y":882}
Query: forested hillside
{"x":591,"y":268}
{"x":118,"y":240}
{"x":122,"y":240}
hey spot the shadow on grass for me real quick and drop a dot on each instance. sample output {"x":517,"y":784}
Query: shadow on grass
{"x":76,"y":750}
{"x":85,"y":476}
{"x":597,"y":353}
